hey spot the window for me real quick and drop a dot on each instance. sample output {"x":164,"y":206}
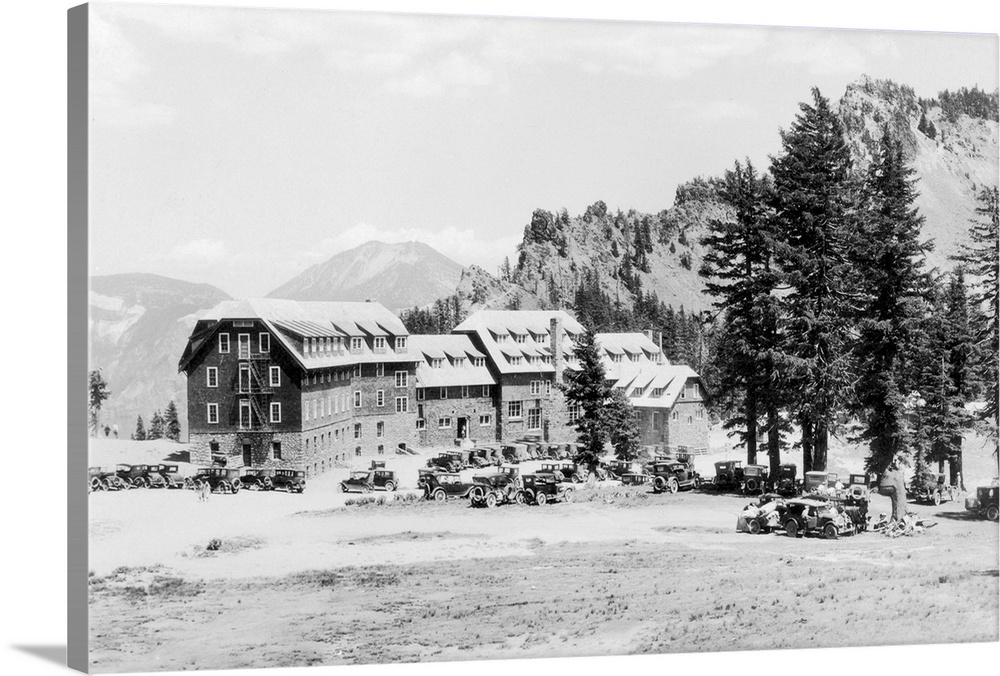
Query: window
{"x":690,"y":421}
{"x":264,"y":342}
{"x":502,"y":338}
{"x":322,"y":407}
{"x":514,"y":409}
{"x":380,"y":429}
{"x":212,"y":376}
{"x":401,"y":379}
{"x":657,"y":391}
{"x":437,"y":363}
{"x":442,"y":393}
{"x":516,"y":361}
{"x":379,"y":343}
{"x":379,"y":370}
{"x":548,"y":387}
{"x":276,"y":450}
{"x":275,"y":412}
{"x":535,"y":387}
{"x":675,"y":416}
{"x":684,"y":392}
{"x":700,"y":414}
{"x":357,"y":371}
{"x":486,"y":390}
{"x":357,"y":398}
{"x":616,"y":358}
{"x":420,"y":394}
{"x":656,"y":421}
{"x":275,"y":376}
{"x":401,"y":344}
{"x":637,"y":391}
{"x":357,"y":430}
{"x":444,"y":423}
{"x":356,"y":344}
{"x":485,"y":420}
{"x":380,"y":397}
{"x":421,"y":424}
{"x":315,"y":409}
{"x":574,"y":412}
{"x":465,"y":391}
{"x":244,"y":377}
{"x":402,"y":404}
{"x":520,"y":337}
{"x":534,"y":418}
{"x":479,"y":361}
{"x":223,"y":343}
{"x":213,"y":414}
{"x":305,"y":412}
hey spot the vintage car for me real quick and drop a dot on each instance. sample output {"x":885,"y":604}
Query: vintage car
{"x":221,"y":479}
{"x":449,"y":461}
{"x":858,"y":486}
{"x":616,"y":468}
{"x":367,"y":480}
{"x":984,"y":504}
{"x":481,"y":457}
{"x":785,"y":482}
{"x":257,"y":479}
{"x":167,"y":476}
{"x":134,"y":476}
{"x":542,"y":488}
{"x":563,"y":471}
{"x":289,"y":480}
{"x":819,"y":482}
{"x":764,"y":516}
{"x":804,"y":516}
{"x":104,"y":479}
{"x":933,"y":487}
{"x":495,"y":489}
{"x":728,"y":475}
{"x":637,"y":477}
{"x":754,"y":479}
{"x":673,"y":476}
{"x":441,"y":486}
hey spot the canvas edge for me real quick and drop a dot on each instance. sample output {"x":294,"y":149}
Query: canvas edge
{"x":77,"y":646}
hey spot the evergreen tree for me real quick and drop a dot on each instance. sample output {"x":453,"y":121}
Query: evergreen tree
{"x":739,"y":267}
{"x":982,"y":262}
{"x":172,"y":425}
{"x":140,"y":430}
{"x":888,"y":260}
{"x":588,"y":389}
{"x":155,"y":426}
{"x":97,"y":393}
{"x":621,"y":425}
{"x":813,"y":192}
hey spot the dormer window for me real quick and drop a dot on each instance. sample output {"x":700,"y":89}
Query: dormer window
{"x":479,"y":361}
{"x":379,"y":344}
{"x":400,"y":343}
{"x":460,"y":362}
{"x":437,"y":363}
{"x":657,"y":392}
{"x":637,"y":392}
{"x":616,"y":358}
{"x":502,"y":338}
{"x":516,"y":361}
{"x":520,"y":338}
{"x":357,"y":343}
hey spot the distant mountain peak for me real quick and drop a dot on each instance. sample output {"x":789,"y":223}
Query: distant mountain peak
{"x":398,"y":275}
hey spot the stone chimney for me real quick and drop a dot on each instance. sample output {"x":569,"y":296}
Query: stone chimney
{"x":555,"y":344}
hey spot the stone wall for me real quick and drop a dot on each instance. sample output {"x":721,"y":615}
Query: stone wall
{"x":454,"y":407}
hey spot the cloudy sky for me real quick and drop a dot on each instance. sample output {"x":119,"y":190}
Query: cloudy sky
{"x":239,"y":146}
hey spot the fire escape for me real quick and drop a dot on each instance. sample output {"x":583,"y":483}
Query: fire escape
{"x":254,"y":390}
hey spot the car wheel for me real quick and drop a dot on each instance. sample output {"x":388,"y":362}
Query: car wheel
{"x":750,"y":487}
{"x":289,"y":488}
{"x":236,"y":487}
{"x":366,"y":489}
{"x":390,"y":486}
{"x":792,"y":528}
{"x":519,"y":498}
{"x":830,"y":531}
{"x":673,"y":485}
{"x":95,"y":484}
{"x":754,"y":526}
{"x":568,"y":496}
{"x":541,"y":499}
{"x":491,"y":501}
{"x":253,"y":487}
{"x":268,"y":484}
{"x":440,"y":496}
{"x":992,"y":512}
{"x":658,"y":485}
{"x":476,"y":495}
{"x":107,"y":485}
{"x":937,"y":497}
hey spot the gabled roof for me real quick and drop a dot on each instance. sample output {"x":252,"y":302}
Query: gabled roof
{"x":449,"y":374}
{"x":533,"y":323}
{"x":291,"y":321}
{"x":651,"y":376}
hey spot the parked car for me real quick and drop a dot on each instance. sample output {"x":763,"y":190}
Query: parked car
{"x":563,"y":471}
{"x":673,"y":476}
{"x":104,"y":479}
{"x":785,"y":482}
{"x":441,"y":486}
{"x":818,"y":481}
{"x":449,"y":461}
{"x":754,"y":479}
{"x":984,"y":504}
{"x":764,"y":516}
{"x":542,"y":488}
{"x":495,"y":489}
{"x":804,"y":516}
{"x":367,"y":480}
{"x":728,"y":475}
{"x":616,"y":468}
{"x":934,"y":487}
{"x":858,"y":486}
{"x":167,"y":475}
{"x":221,"y":479}
{"x":134,"y":476}
{"x":289,"y":480}
{"x":257,"y":479}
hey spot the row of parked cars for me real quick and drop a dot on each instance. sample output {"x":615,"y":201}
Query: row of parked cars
{"x":827,"y":514}
{"x":506,"y":486}
{"x":217,"y":479}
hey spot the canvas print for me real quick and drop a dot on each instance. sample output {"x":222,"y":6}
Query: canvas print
{"x":428,"y":338}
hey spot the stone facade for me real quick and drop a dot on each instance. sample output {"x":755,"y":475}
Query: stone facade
{"x":530,"y":404}
{"x":235,"y":448}
{"x":462,"y":403}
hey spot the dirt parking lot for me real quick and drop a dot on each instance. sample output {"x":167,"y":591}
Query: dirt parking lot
{"x":304,"y":579}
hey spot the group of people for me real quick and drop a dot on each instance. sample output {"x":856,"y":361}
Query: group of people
{"x":109,"y":430}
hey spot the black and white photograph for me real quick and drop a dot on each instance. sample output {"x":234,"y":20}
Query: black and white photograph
{"x":443,"y":337}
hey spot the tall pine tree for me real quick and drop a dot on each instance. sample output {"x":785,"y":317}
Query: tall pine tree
{"x":813,"y":194}
{"x":171,"y":423}
{"x":588,"y":389}
{"x":888,"y":258}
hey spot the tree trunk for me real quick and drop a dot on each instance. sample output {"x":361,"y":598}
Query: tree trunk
{"x":821,"y":440}
{"x":773,"y":441}
{"x":807,"y":445}
{"x":751,"y":417}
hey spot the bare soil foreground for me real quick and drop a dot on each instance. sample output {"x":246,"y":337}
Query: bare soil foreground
{"x":303,"y":579}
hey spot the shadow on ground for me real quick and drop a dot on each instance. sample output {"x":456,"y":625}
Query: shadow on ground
{"x":50,"y":653}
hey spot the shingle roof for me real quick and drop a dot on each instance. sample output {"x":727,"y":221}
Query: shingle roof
{"x":449,"y":374}
{"x":651,"y":376}
{"x":487,"y":323}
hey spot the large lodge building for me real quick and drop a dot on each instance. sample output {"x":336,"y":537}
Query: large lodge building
{"x":280,"y":383}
